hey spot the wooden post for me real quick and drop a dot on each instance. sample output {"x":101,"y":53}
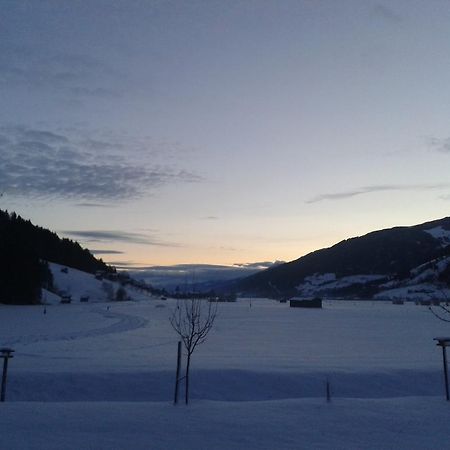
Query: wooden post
{"x":444,"y":357}
{"x":6,"y":353}
{"x":444,"y":342}
{"x":177,"y":379}
{"x":328,"y":391}
{"x":186,"y":379}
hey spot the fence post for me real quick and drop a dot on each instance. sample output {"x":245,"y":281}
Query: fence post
{"x":444,"y":358}
{"x":444,"y":342}
{"x":6,"y":353}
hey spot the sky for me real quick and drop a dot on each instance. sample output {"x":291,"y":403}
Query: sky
{"x":211,"y":132}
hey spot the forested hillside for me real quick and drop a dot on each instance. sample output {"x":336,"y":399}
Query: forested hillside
{"x":363,"y":266}
{"x":24,"y":251}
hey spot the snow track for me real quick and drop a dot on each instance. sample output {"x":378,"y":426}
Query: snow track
{"x":125,"y":323}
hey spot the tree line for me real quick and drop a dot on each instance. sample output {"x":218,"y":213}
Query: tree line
{"x":24,"y":251}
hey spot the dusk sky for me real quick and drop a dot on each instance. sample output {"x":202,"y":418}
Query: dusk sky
{"x":223,"y":132}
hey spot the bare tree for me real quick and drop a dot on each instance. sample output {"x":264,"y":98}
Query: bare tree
{"x":441,"y":312}
{"x":192,"y":319}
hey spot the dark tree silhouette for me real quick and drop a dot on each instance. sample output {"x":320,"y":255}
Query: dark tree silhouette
{"x":24,"y":252}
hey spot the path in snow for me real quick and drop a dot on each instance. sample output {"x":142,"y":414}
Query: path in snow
{"x":126,"y":322}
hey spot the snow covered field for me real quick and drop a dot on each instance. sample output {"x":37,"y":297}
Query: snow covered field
{"x":101,"y":375}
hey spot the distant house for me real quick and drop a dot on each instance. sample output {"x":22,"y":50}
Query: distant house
{"x":84,"y":298}
{"x":66,"y":298}
{"x":296,"y":302}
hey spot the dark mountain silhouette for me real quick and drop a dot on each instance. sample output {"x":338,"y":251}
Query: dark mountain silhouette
{"x":24,"y":251}
{"x":386,"y":255}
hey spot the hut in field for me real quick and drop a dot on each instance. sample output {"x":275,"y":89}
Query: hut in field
{"x":296,"y":302}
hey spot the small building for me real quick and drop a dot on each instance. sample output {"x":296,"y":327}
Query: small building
{"x":84,"y":298}
{"x":66,"y":299}
{"x":296,"y":302}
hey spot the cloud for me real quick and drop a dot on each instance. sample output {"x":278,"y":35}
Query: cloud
{"x":117,"y":236}
{"x":43,"y":136}
{"x":210,"y":218}
{"x":191,"y":276}
{"x":73,"y":75}
{"x":93,"y":205}
{"x":259,"y":265}
{"x":377,"y":188}
{"x":439,"y":144}
{"x":94,"y":92}
{"x":125,"y":265}
{"x":187,"y":268}
{"x":199,"y":270}
{"x":386,"y":13}
{"x":41,"y":163}
{"x":106,"y":252}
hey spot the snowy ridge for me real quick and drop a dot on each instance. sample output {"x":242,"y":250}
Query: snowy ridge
{"x":78,"y":284}
{"x":441,"y":234}
{"x":323,"y":284}
{"x":424,"y":283}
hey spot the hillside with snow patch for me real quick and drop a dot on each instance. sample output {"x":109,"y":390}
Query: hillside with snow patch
{"x":410,"y":263}
{"x":76,"y":284}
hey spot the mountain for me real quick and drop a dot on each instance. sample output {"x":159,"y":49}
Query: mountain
{"x":198,"y":277}
{"x":25,"y":250}
{"x":382,"y":264}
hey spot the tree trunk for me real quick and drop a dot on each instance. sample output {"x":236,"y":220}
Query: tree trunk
{"x":188,"y":363}
{"x":177,"y":377}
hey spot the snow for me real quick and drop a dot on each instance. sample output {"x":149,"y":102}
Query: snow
{"x":409,"y":423}
{"x":79,"y":284}
{"x":100,"y":375}
{"x":440,"y":234}
{"x":442,"y":264}
{"x":423,"y":284}
{"x":319,"y":283}
{"x":416,"y":292}
{"x":426,"y":275}
{"x":319,"y":279}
